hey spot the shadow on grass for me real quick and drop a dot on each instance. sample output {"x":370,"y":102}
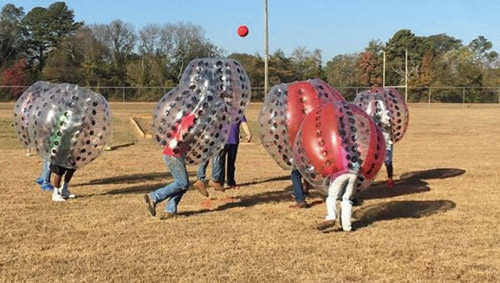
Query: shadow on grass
{"x":118,"y":146}
{"x":141,"y":189}
{"x":251,"y":200}
{"x":438,"y":173}
{"x":399,"y":209}
{"x":279,"y":178}
{"x":409,"y":183}
{"x":133,"y":179}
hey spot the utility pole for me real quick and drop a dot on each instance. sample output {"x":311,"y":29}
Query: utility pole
{"x":266,"y":49}
{"x":383,"y":72}
{"x":406,"y":75}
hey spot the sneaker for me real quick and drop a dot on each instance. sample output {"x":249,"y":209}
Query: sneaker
{"x":39,"y":181}
{"x":325,"y":225}
{"x":357,"y":202}
{"x":151,"y":204}
{"x":66,"y":193}
{"x":216,"y":186}
{"x":299,"y":205}
{"x":56,"y":195}
{"x":390,"y":183}
{"x":47,"y":187}
{"x":201,"y":187}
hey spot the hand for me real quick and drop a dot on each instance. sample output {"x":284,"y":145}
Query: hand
{"x":248,"y":138}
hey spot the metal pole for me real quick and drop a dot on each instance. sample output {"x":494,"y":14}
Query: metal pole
{"x":266,"y":49}
{"x":123,"y":97}
{"x":463,"y":96}
{"x":383,"y":72}
{"x":430,"y":94}
{"x":406,"y":75}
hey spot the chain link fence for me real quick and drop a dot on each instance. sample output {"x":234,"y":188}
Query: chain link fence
{"x":414,"y":95}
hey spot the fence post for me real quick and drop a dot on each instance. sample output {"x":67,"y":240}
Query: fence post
{"x":463,"y":96}
{"x":430,"y":94}
{"x":123,"y":97}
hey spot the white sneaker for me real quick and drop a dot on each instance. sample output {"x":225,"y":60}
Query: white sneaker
{"x":66,"y":193}
{"x":56,"y":196}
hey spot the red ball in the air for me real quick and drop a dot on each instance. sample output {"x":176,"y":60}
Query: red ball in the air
{"x":242,"y":31}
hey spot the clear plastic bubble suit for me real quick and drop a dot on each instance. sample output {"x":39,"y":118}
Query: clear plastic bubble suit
{"x":376,"y":101}
{"x":226,"y":76}
{"x":284,"y":108}
{"x":70,"y":125}
{"x":207,"y":127}
{"x":24,"y":107}
{"x":338,"y":138}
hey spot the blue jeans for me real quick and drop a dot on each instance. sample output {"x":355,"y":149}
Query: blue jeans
{"x":175,"y":190}
{"x":45,"y":175}
{"x":216,"y":169}
{"x":297,"y":186}
{"x":388,"y":154}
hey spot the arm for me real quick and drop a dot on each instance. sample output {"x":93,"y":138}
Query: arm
{"x":248,"y":137}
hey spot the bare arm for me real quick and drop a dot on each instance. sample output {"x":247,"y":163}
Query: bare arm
{"x":248,"y":137}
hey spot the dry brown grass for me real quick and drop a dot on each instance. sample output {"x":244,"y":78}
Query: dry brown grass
{"x":438,"y":224}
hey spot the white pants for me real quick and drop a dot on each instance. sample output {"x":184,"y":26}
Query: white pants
{"x":343,"y":189}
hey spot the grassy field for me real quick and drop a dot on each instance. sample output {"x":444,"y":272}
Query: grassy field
{"x":439,"y":223}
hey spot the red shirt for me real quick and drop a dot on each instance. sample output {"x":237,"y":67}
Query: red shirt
{"x":186,"y":122}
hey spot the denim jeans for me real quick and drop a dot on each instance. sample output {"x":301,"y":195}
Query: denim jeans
{"x":45,"y":175}
{"x":175,"y":190}
{"x":388,"y":154}
{"x":298,"y":193}
{"x":230,"y":150}
{"x":216,"y":169}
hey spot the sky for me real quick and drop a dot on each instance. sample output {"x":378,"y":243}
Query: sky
{"x":334,"y":26}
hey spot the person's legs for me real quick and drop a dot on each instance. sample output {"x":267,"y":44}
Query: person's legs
{"x":346,"y":204}
{"x":232,"y":151}
{"x":174,"y":190}
{"x":218,"y":176}
{"x":334,"y":192}
{"x":44,"y":179}
{"x":216,"y":168}
{"x":200,"y":183}
{"x":388,"y":165}
{"x":171,"y":206}
{"x":298,"y":193}
{"x":67,"y":178}
{"x":202,"y":168}
{"x":222,"y":165}
{"x":58,"y":174}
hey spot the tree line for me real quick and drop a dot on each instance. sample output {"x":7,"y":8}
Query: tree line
{"x":46,"y":43}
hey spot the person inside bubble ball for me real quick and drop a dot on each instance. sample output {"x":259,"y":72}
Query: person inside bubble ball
{"x":227,"y":157}
{"x":61,"y":193}
{"x":383,"y":121}
{"x":299,"y":194}
{"x":342,"y":188}
{"x":44,"y":179}
{"x":201,"y":182}
{"x":174,"y":158}
{"x":219,"y":161}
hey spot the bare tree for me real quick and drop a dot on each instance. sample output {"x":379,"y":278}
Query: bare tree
{"x":120,"y":40}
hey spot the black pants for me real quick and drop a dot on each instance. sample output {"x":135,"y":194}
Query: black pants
{"x":230,"y":150}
